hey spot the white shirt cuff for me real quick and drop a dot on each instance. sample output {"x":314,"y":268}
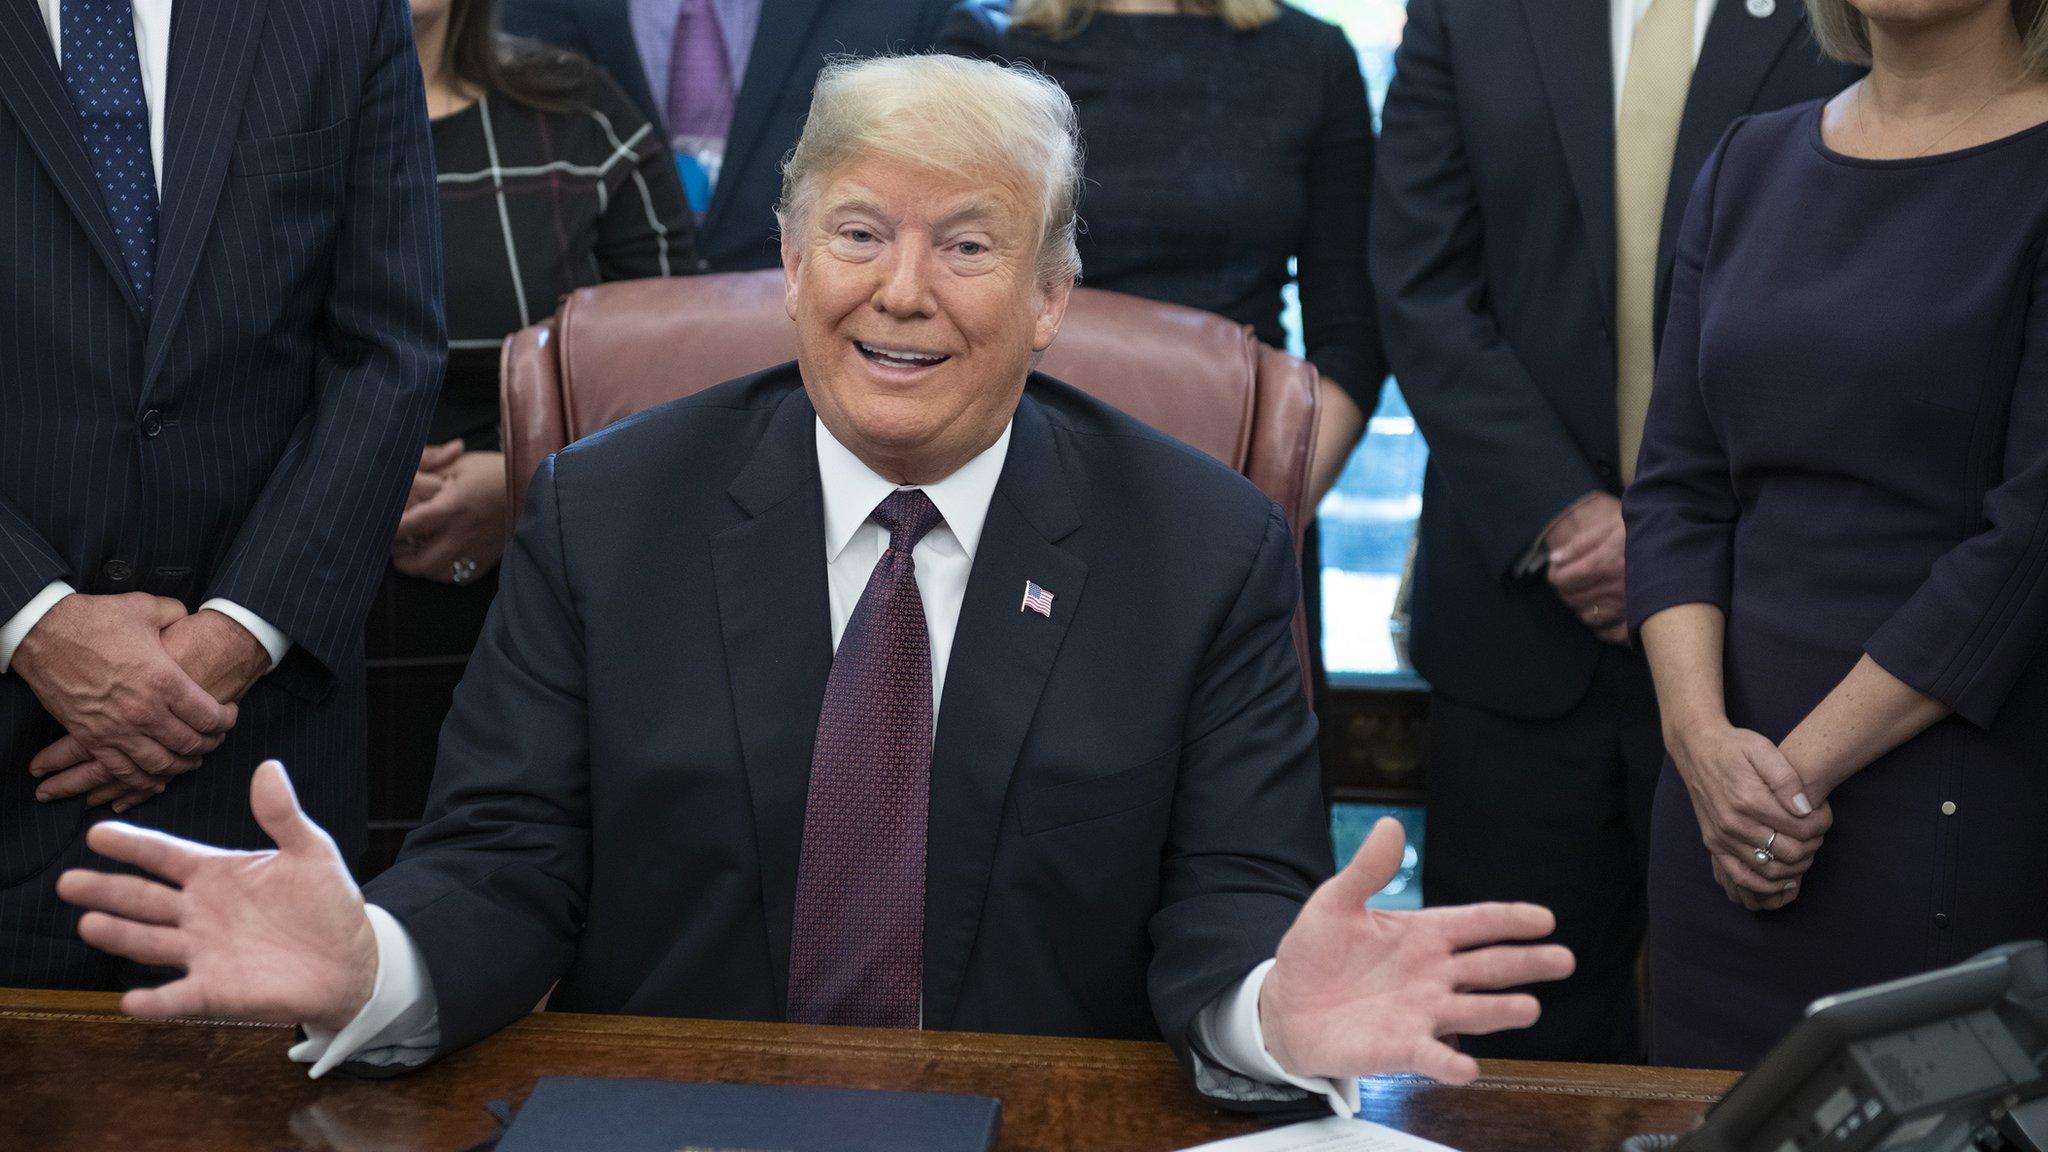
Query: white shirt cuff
{"x":274,"y":642}
{"x":1229,"y":1032}
{"x":23,"y":622}
{"x":400,"y":1025}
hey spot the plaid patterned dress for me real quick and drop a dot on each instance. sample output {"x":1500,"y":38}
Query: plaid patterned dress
{"x":534,"y":205}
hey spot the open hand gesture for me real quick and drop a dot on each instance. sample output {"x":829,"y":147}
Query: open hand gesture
{"x":1355,"y":991}
{"x":278,"y":936}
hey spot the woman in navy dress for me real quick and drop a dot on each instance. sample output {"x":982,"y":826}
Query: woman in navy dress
{"x":1838,"y":538}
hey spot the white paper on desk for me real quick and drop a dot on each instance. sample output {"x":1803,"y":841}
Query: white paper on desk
{"x":1330,"y":1134}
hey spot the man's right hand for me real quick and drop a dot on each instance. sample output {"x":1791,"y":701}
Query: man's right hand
{"x":278,"y":936}
{"x":99,"y":664}
{"x":1587,"y":546}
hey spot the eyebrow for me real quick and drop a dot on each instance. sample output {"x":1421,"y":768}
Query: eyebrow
{"x":977,"y":209}
{"x":853,"y":204}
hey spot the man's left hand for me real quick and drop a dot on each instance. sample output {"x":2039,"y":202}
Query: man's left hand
{"x":221,"y":655}
{"x":1355,"y":991}
{"x":1588,"y":549}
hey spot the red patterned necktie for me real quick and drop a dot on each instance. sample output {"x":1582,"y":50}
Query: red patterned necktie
{"x":857,"y":949}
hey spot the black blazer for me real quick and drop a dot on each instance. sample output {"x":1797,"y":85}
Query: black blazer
{"x":738,"y":233}
{"x":1125,"y":811}
{"x":1493,"y":257}
{"x":254,"y":439}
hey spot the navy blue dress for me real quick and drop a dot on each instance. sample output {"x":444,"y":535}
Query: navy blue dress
{"x":1847,"y":451}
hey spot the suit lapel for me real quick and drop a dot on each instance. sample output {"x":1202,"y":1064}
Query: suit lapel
{"x":1737,"y":56}
{"x":608,"y":30}
{"x":1574,"y":52}
{"x":1000,"y":660}
{"x":212,"y":42}
{"x":785,"y":28}
{"x":33,"y":91}
{"x":775,"y":613}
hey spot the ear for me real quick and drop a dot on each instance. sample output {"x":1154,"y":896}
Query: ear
{"x":792,"y":259}
{"x":1052,"y":309}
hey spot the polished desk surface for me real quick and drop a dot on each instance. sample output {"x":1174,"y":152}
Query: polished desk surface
{"x":75,"y":1074}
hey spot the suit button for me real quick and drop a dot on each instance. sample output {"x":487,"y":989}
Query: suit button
{"x":1948,"y":807}
{"x":1941,"y":919}
{"x":117,"y":572}
{"x":152,"y":423}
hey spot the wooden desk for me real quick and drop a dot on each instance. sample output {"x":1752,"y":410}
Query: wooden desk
{"x":75,"y":1074}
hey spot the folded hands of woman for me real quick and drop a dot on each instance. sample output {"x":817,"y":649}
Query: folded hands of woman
{"x":1760,"y":828}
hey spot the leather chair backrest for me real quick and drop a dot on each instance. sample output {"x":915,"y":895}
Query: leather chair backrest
{"x":617,"y":349}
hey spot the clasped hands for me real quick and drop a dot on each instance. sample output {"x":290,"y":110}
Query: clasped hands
{"x":454,"y":517}
{"x":1760,"y":826}
{"x":142,"y":688}
{"x":1586,"y":548}
{"x":282,"y":936}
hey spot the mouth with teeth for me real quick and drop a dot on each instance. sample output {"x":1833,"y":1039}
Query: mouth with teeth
{"x":903,"y":358}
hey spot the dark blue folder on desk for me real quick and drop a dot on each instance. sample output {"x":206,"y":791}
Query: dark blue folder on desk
{"x":602,"y":1115}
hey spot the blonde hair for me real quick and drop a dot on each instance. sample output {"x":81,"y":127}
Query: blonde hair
{"x":954,"y":115}
{"x":1060,"y":19}
{"x":1845,"y":35}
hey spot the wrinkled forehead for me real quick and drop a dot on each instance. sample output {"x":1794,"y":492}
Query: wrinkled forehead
{"x":994,"y":194}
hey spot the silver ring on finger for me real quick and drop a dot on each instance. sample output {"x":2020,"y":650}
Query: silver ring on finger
{"x":1763,"y":855}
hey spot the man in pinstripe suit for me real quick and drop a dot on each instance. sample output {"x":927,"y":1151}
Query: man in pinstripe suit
{"x":220,"y":340}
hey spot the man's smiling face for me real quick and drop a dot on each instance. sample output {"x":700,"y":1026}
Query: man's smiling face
{"x":918,"y":307}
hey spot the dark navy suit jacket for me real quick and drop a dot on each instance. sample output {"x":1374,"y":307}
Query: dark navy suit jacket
{"x":252,"y":440}
{"x":1493,"y":256}
{"x":738,"y":232}
{"x":1125,"y":807}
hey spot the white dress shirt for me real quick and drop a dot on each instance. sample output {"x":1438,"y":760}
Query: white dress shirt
{"x":401,"y":1024}
{"x":153,"y":50}
{"x":1625,"y":14}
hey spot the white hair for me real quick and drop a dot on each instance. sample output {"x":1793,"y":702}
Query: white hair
{"x":955,"y":115}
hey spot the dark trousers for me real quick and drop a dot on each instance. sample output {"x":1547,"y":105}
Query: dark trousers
{"x":1556,"y":812}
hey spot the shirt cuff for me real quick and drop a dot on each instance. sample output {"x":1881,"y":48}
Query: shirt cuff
{"x":1537,"y":559}
{"x":401,"y":1024}
{"x":1228,"y":1030}
{"x":23,"y":622}
{"x":274,"y":642}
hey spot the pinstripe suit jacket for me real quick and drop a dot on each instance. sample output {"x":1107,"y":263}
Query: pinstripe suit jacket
{"x":253,"y":438}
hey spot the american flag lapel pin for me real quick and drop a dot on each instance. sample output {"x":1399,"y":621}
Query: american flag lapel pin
{"x":1036,"y":599}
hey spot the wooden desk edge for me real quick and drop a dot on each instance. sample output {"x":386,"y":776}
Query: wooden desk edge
{"x":1608,"y":1080}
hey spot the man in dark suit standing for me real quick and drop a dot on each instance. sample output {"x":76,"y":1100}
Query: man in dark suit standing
{"x":1534,"y":162}
{"x":729,"y":81}
{"x":220,"y":298}
{"x":900,"y":687}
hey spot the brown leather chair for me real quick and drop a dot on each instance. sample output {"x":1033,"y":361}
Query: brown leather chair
{"x":616,"y":349}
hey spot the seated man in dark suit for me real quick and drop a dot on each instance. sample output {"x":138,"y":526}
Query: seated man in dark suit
{"x":898,"y":687}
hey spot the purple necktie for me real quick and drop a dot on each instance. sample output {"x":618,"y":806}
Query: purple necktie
{"x":857,"y":949}
{"x":700,"y":83}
